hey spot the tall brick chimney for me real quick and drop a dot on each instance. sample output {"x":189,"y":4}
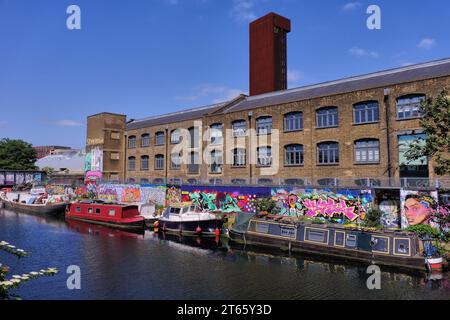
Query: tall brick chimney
{"x":268,"y":61}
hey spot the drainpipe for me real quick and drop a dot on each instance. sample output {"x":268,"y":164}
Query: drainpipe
{"x":387,"y":93}
{"x":250,"y":114}
{"x":125,"y":160}
{"x":166,"y":173}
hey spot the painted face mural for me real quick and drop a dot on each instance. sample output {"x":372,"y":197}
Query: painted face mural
{"x":417,"y":207}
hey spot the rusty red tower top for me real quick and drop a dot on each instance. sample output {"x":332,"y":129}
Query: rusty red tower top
{"x":268,"y":61}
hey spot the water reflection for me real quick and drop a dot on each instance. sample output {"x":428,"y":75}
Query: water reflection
{"x":123,"y":265}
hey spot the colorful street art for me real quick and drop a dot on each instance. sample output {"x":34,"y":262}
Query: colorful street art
{"x":55,"y":189}
{"x":417,"y":207}
{"x":312,"y":203}
{"x":153,"y":194}
{"x":94,"y":165}
{"x":119,"y":193}
{"x":225,"y":199}
{"x":174,"y":195}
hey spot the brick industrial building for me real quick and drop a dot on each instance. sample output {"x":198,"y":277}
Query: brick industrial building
{"x":348,"y":132}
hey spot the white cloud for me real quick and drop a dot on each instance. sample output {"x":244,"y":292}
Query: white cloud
{"x":360,"y":52}
{"x":426,"y":43}
{"x":350,"y":6}
{"x":294,"y":76}
{"x":243,"y":10}
{"x":216,"y":93}
{"x":68,"y":123}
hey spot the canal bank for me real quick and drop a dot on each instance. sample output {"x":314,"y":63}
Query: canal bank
{"x":120,"y":265}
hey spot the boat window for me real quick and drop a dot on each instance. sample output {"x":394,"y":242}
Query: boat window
{"x":351,"y":240}
{"x":175,"y":210}
{"x":97,"y":210}
{"x":317,"y":235}
{"x":262,"y":228}
{"x":112,"y":212}
{"x":90,"y":210}
{"x":78,"y":209}
{"x":287,"y":232}
{"x":192,"y":208}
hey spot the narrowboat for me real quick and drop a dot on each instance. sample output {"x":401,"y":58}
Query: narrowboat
{"x":189,"y":219}
{"x":23,"y":202}
{"x":389,"y":248}
{"x":111,"y":215}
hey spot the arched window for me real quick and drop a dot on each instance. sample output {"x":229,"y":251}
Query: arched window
{"x":131,"y":163}
{"x":158,"y":181}
{"x":194,"y":137}
{"x":216,"y":134}
{"x":216,"y":161}
{"x":131,"y":142}
{"x":409,"y":106}
{"x":264,"y":155}
{"x":144,"y":181}
{"x":159,"y":162}
{"x":294,"y":155}
{"x":328,"y":153}
{"x":160,"y":138}
{"x":144,"y":163}
{"x":327,"y":117}
{"x":175,"y":161}
{"x":264,"y":125}
{"x":239,"y":157}
{"x":293,"y":121}
{"x":367,"y":151}
{"x":175,"y":136}
{"x":366,"y":112}
{"x":239,"y":128}
{"x":145,"y":140}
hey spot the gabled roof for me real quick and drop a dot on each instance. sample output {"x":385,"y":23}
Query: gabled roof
{"x":386,"y":78}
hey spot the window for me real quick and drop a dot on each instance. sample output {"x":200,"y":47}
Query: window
{"x":145,"y":140}
{"x":131,"y":180}
{"x":159,"y":162}
{"x":90,"y":210}
{"x":294,"y":182}
{"x":293,"y":122}
{"x":366,"y":112}
{"x":158,"y":181}
{"x":78,"y":209}
{"x":216,"y":134}
{"x":294,"y":155}
{"x":160,"y":139}
{"x":408,"y":107}
{"x":216,"y":181}
{"x":144,"y":163}
{"x":194,"y":137}
{"x":144,"y":181}
{"x":327,"y":117}
{"x":265,"y":182}
{"x":194,"y":162}
{"x":239,"y":128}
{"x":367,"y":151}
{"x":264,"y":155}
{"x":98,"y":210}
{"x":328,"y":182}
{"x":238,"y":181}
{"x":112,"y":212}
{"x":131,"y":163}
{"x":216,"y":161}
{"x":239,"y":158}
{"x":131,"y":142}
{"x":328,"y":153}
{"x":175,"y":161}
{"x":175,"y":136}
{"x":264,"y":125}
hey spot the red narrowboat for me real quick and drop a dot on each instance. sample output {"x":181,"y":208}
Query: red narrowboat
{"x":111,"y":215}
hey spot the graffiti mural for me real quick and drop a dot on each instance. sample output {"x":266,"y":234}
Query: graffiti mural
{"x":153,"y":194}
{"x":93,"y":167}
{"x":119,"y":193}
{"x":226,"y":199}
{"x":109,"y":193}
{"x":131,"y":194}
{"x":173,"y":195}
{"x":294,"y":202}
{"x":416,"y":207}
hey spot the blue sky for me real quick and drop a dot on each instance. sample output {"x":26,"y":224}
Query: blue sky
{"x":147,"y":57}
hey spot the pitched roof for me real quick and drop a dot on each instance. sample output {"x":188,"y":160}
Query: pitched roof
{"x":184,"y":115}
{"x":423,"y":71}
{"x":411,"y":73}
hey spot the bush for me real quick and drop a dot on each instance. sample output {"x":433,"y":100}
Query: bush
{"x":373,"y":218}
{"x":266,"y":205}
{"x":424,"y":231}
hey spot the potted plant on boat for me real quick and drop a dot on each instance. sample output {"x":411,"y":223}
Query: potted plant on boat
{"x":432,"y":249}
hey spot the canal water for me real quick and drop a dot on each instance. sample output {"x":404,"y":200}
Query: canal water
{"x":119,"y":265}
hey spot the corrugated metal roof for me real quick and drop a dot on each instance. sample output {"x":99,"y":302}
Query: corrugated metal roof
{"x":185,"y":115}
{"x":422,"y":71}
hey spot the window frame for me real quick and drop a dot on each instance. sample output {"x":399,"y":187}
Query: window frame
{"x":327,"y":113}
{"x":367,"y":108}
{"x":159,"y":157}
{"x":290,"y":119}
{"x":131,"y":160}
{"x":132,"y":145}
{"x":240,"y":131}
{"x":366,"y":150}
{"x":269,"y":156}
{"x":218,"y":164}
{"x":239,"y":154}
{"x":216,"y":134}
{"x":142,"y":163}
{"x":160,"y":135}
{"x":145,"y":138}
{"x":265,"y":122}
{"x":329,"y":151}
{"x":301,"y":157}
{"x":412,"y":105}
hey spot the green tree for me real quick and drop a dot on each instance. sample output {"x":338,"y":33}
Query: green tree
{"x":17,"y":155}
{"x":436,"y":125}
